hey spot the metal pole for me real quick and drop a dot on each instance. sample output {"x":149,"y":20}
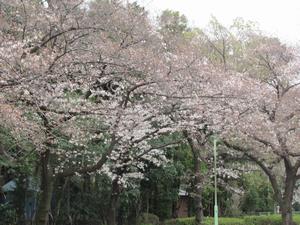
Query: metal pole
{"x":215,"y":173}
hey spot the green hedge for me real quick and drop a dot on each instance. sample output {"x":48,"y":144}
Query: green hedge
{"x":207,"y":221}
{"x":263,"y":220}
{"x":181,"y":221}
{"x":247,"y":220}
{"x":268,"y":220}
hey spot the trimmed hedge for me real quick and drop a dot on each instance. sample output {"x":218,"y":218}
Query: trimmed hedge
{"x":180,"y":221}
{"x":247,"y":220}
{"x":207,"y":221}
{"x":225,"y":221}
{"x":268,"y":220}
{"x":262,"y":220}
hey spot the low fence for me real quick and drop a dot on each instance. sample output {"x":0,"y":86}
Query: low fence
{"x":266,"y":213}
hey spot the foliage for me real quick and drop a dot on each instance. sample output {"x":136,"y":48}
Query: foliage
{"x":173,"y":22}
{"x":8,"y":214}
{"x":248,"y":220}
{"x":82,"y":200}
{"x":148,"y":218}
{"x":160,"y":189}
{"x":267,"y":220}
{"x":207,"y":221}
{"x":258,"y":194}
{"x":224,"y":198}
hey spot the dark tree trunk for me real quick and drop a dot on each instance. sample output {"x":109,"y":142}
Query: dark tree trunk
{"x":198,"y":191}
{"x":19,"y":199}
{"x":147,"y":201}
{"x":175,"y":209}
{"x":47,"y":183}
{"x":60,"y":199}
{"x":114,"y":203}
{"x":287,"y":199}
{"x":1,"y":179}
{"x":196,"y":150}
{"x":286,"y":215}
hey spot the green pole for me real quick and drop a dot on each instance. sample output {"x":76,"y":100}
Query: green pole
{"x":215,"y":171}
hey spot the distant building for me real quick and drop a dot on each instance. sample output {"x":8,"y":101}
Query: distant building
{"x":182,"y":209}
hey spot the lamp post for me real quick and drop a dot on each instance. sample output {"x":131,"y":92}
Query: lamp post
{"x":216,"y":220}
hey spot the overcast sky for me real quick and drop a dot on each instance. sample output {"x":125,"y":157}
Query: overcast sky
{"x":277,"y":17}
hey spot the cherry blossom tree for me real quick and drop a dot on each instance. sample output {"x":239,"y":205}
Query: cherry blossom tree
{"x":204,"y":91}
{"x":268,"y":132}
{"x":83,"y":73}
{"x":94,"y":85}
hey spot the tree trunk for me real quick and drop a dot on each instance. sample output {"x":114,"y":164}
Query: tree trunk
{"x":286,"y":211}
{"x":59,"y":201}
{"x":198,"y":192}
{"x":2,"y":196}
{"x":286,"y":215}
{"x":19,"y":199}
{"x":286,"y":203}
{"x":114,"y":202}
{"x":42,"y":215}
{"x":147,"y":201}
{"x":196,"y":150}
{"x":47,"y":183}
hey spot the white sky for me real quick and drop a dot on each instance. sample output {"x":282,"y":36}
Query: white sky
{"x":276,"y":17}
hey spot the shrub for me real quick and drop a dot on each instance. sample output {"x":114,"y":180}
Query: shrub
{"x":247,"y":220}
{"x":181,"y":221}
{"x":148,"y":219}
{"x":207,"y":221}
{"x":266,"y":220}
{"x":225,"y":221}
{"x":8,"y":214}
{"x":262,"y":220}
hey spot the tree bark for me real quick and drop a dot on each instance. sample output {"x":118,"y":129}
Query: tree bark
{"x":287,"y":199}
{"x":47,"y":183}
{"x":2,"y":196}
{"x":19,"y":199}
{"x":114,"y":203}
{"x":196,"y":150}
{"x":286,"y":215}
{"x":198,"y":194}
{"x":59,"y":201}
